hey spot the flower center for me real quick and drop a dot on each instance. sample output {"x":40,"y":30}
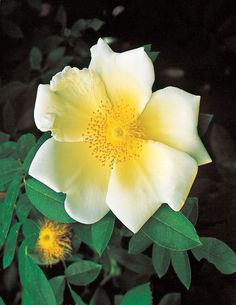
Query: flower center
{"x":114,"y":134}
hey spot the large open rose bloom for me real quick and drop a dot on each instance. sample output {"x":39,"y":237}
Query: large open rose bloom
{"x":116,"y":145}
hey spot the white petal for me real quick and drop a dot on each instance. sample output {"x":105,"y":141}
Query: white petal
{"x":138,"y":187}
{"x":70,"y":168}
{"x":66,"y":106}
{"x":171,"y":117}
{"x":128,"y":76}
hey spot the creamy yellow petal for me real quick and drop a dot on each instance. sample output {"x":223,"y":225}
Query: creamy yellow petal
{"x":66,"y":106}
{"x":128,"y":76}
{"x":171,"y":117}
{"x":70,"y":168}
{"x":138,"y":187}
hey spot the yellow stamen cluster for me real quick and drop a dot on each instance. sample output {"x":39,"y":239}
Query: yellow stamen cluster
{"x":54,"y":241}
{"x":114,"y":133}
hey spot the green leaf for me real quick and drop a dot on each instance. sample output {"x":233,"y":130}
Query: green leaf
{"x":100,"y":297}
{"x":171,"y":299}
{"x":138,"y":243}
{"x":23,"y":207}
{"x":190,"y":209}
{"x":98,"y":234}
{"x":217,"y":253}
{"x":82,"y":272}
{"x":82,"y":25}
{"x":11,"y":29}
{"x":204,"y":123}
{"x":8,"y":149}
{"x":31,"y":233}
{"x":34,"y":280}
{"x":1,"y":301}
{"x":10,"y":168}
{"x":181,"y":265}
{"x":33,"y":150}
{"x":171,"y":230}
{"x":76,"y":297}
{"x":36,"y":4}
{"x":152,"y":54}
{"x":8,"y":204}
{"x":55,"y":55}
{"x":61,"y":16}
{"x":138,"y":263}
{"x":140,"y":295}
{"x":26,"y":299}
{"x":10,"y":246}
{"x":118,"y":299}
{"x":47,"y":201}
{"x":35,"y":58}
{"x":58,"y":286}
{"x":3,"y":136}
{"x":24,"y":144}
{"x":160,"y":260}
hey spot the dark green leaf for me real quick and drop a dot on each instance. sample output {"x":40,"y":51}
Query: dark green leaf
{"x":140,"y":295}
{"x":47,"y":201}
{"x":9,"y":169}
{"x":118,"y":299}
{"x":34,"y":149}
{"x":34,"y":280}
{"x":138,"y":263}
{"x":55,"y":55}
{"x":171,"y":299}
{"x":10,"y":246}
{"x":8,"y":149}
{"x":36,"y":4}
{"x":12,"y":90}
{"x":204,"y":122}
{"x":76,"y":297}
{"x":3,"y":136}
{"x":152,"y":54}
{"x":24,"y":144}
{"x":138,"y":243}
{"x":160,"y":260}
{"x":31,"y":233}
{"x":1,"y":301}
{"x":171,"y":230}
{"x":98,"y":234}
{"x":8,"y":204}
{"x":49,"y":43}
{"x":82,"y":25}
{"x":61,"y":16}
{"x":26,"y":300}
{"x":12,"y":29}
{"x":35,"y":58}
{"x":23,"y":207}
{"x":82,"y":272}
{"x":58,"y":286}
{"x":181,"y":265}
{"x":100,"y":297}
{"x":217,"y":253}
{"x":190,"y":209}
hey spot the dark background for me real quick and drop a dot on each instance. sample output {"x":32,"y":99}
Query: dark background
{"x":197,"y":45}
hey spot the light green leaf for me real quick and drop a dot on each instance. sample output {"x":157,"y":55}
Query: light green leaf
{"x":171,"y":230}
{"x":190,"y":209}
{"x":138,"y":263}
{"x":76,"y":297}
{"x":8,"y":204}
{"x":204,"y":123}
{"x":160,"y":260}
{"x":140,"y":295}
{"x":217,"y":253}
{"x":34,"y":280}
{"x":26,"y":300}
{"x":100,"y":297}
{"x":47,"y":201}
{"x":33,"y":150}
{"x":58,"y":286}
{"x":181,"y":265}
{"x":24,"y":144}
{"x":10,"y":246}
{"x":171,"y":299}
{"x":9,"y":169}
{"x":98,"y":234}
{"x":23,"y":207}
{"x":35,"y":58}
{"x":82,"y":272}
{"x":138,"y":243}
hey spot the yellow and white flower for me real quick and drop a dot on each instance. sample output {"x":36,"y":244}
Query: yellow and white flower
{"x":116,"y":145}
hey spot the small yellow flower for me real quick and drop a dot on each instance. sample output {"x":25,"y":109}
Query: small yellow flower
{"x":116,"y":145}
{"x":54,"y":241}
